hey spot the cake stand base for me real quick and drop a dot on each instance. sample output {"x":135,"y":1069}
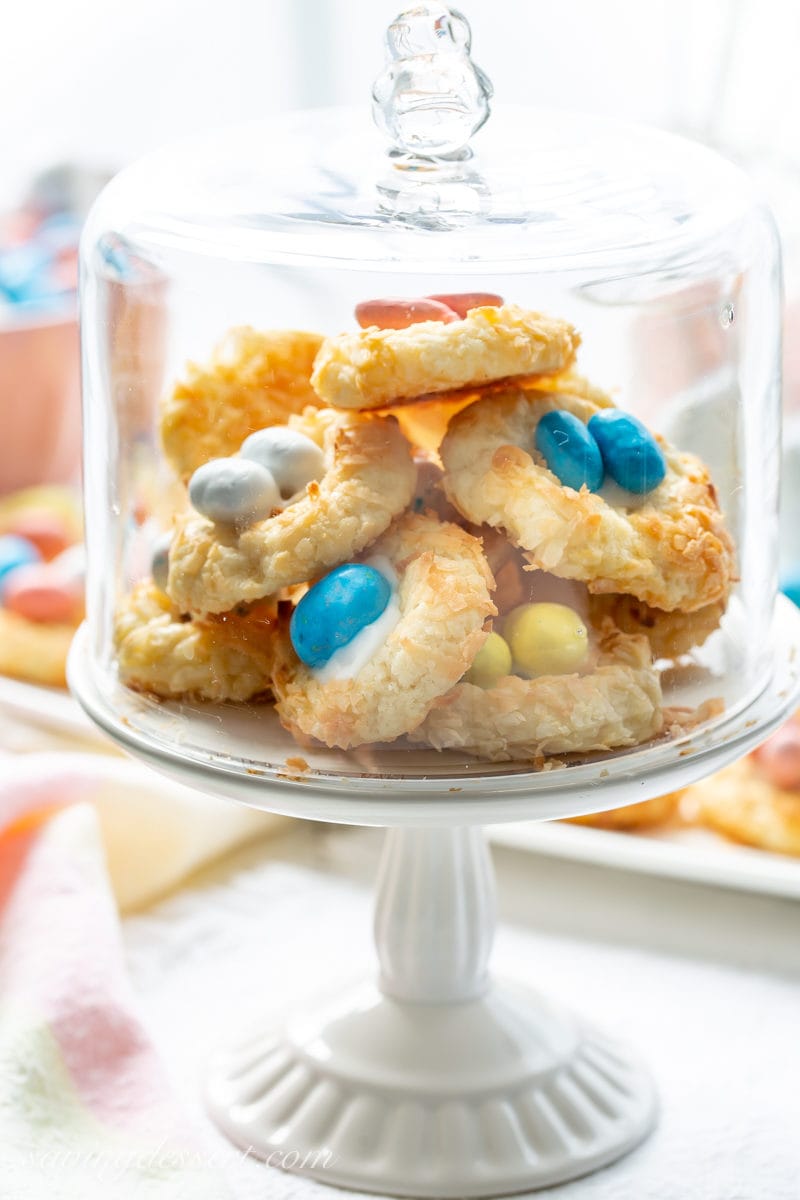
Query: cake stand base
{"x":496,"y":1095}
{"x":436,"y":1083}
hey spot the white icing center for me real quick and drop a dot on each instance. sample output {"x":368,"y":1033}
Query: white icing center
{"x":619,"y":498}
{"x":347,"y":661}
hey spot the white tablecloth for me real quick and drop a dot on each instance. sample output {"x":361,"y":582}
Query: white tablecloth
{"x":705,"y":982}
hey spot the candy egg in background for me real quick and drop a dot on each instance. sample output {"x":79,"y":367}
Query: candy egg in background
{"x":42,"y":579}
{"x":59,"y":504}
{"x":40,"y":592}
{"x":790,"y":511}
{"x":40,"y":552}
{"x":15,"y":552}
{"x":46,"y":530}
{"x":779,"y":757}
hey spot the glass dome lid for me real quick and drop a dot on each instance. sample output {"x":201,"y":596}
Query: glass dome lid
{"x":530,"y":186}
{"x":523,"y":368}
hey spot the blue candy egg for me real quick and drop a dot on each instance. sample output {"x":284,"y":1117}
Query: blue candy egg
{"x":23,"y":272}
{"x":60,"y":231}
{"x":115,"y":255}
{"x":336,"y":609}
{"x":631,"y":455}
{"x":569,"y":450}
{"x":790,"y":586}
{"x":15,"y":552}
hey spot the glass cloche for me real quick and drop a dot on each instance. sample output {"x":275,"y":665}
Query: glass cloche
{"x":430,"y":449}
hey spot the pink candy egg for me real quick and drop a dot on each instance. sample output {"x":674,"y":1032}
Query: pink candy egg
{"x":19,"y":227}
{"x":462,"y":302}
{"x":71,"y":565}
{"x":779,"y":757}
{"x":46,"y":530}
{"x":65,"y":273}
{"x":40,"y":593}
{"x":400,"y":313}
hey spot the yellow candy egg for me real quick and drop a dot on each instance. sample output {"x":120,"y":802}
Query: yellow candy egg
{"x":546,"y":639}
{"x":491,"y":663}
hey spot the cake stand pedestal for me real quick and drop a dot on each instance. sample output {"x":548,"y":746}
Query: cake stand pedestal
{"x":437,"y":1082}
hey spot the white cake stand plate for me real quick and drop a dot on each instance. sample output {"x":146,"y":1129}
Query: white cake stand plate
{"x":435,"y":1082}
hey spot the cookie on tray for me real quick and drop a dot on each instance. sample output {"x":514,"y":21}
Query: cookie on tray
{"x":667,"y":546}
{"x":756,"y":800}
{"x":163,"y":653}
{"x":645,"y":815}
{"x":254,"y":379}
{"x":369,"y":478}
{"x":741,"y":804}
{"x":378,"y":367}
{"x":34,"y":651}
{"x":432,"y":628}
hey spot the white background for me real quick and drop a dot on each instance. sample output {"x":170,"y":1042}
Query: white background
{"x":108,"y":80}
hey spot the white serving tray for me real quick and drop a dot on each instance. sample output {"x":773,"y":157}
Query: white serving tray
{"x":47,"y":707}
{"x":696,"y":855}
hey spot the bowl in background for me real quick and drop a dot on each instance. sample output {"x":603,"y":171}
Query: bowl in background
{"x":40,"y":412}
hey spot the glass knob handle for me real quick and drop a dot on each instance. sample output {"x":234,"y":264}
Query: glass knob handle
{"x":430,"y":98}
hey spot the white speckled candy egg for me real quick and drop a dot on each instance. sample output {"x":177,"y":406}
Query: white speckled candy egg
{"x":234,"y":491}
{"x":71,"y":563}
{"x":292,"y":458}
{"x":159,"y":566}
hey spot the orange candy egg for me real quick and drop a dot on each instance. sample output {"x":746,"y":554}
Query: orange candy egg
{"x":779,"y":758}
{"x":400,"y":313}
{"x":46,"y":530}
{"x":462,"y":302}
{"x":40,"y":593}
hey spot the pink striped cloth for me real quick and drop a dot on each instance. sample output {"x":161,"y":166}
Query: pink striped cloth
{"x":86,"y":1109}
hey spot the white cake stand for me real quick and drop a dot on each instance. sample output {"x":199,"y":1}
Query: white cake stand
{"x":435,"y":1081}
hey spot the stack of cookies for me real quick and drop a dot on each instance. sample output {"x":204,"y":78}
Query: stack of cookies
{"x":428,"y":528}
